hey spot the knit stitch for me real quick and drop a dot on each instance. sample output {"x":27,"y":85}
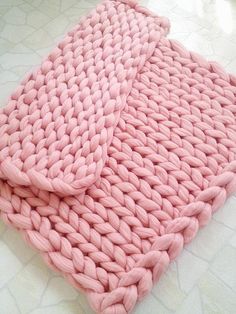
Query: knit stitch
{"x":115,"y":151}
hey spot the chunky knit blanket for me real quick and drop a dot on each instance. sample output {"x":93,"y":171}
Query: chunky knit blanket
{"x":115,"y":151}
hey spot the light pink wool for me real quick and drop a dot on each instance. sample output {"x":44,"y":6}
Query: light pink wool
{"x":115,"y":151}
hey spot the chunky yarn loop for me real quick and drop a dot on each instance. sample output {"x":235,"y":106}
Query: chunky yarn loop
{"x":115,"y":151}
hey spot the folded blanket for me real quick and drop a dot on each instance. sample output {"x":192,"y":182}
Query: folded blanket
{"x":115,"y":151}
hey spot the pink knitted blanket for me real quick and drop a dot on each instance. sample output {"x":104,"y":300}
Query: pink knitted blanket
{"x":115,"y":151}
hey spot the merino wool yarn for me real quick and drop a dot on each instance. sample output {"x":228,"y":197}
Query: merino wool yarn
{"x":115,"y":151}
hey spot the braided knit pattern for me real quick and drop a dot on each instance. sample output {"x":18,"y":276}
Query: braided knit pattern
{"x":115,"y":151}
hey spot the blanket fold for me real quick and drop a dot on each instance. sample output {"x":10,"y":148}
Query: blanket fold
{"x":115,"y":151}
{"x":59,"y":123}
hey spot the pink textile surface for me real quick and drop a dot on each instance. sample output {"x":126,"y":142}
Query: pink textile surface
{"x":115,"y":151}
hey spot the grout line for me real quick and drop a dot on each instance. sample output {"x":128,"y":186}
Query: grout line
{"x":16,"y":304}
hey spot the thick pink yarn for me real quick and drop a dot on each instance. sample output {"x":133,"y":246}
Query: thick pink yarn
{"x":115,"y":151}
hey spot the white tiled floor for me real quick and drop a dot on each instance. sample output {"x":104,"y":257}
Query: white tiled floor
{"x":203,"y":279}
